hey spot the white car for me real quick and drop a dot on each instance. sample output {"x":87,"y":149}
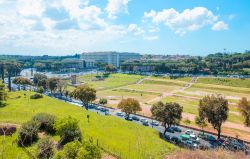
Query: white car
{"x":143,"y":120}
{"x":189,"y":132}
{"x":194,"y":138}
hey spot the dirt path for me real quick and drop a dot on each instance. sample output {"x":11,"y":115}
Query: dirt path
{"x":141,"y":80}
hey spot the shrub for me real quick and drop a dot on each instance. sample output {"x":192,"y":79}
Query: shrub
{"x":46,"y":122}
{"x":91,"y":151}
{"x":7,"y":130}
{"x":36,"y":96}
{"x":103,"y":101}
{"x":68,"y":130}
{"x":76,"y":150}
{"x":45,"y":148}
{"x":40,"y":90}
{"x":28,"y":133}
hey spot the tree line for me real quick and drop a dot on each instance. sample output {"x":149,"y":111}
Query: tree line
{"x":216,"y":64}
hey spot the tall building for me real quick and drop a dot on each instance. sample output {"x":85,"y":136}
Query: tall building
{"x":114,"y":58}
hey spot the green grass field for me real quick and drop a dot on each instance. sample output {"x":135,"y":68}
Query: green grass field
{"x":113,"y":81}
{"x":120,"y":137}
{"x":120,"y":86}
{"x":226,"y":82}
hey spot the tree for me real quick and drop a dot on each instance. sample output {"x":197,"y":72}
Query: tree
{"x":3,"y":94}
{"x":129,"y":106}
{"x":85,"y":94}
{"x":38,"y":78}
{"x":103,"y":101}
{"x":45,"y":148}
{"x":61,"y":86}
{"x":2,"y":70}
{"x":40,"y":90}
{"x":244,"y":107}
{"x":28,"y":133}
{"x":201,"y":123}
{"x":12,"y":69}
{"x":45,"y":122}
{"x":215,"y":110}
{"x":77,"y":150}
{"x":22,"y":81}
{"x":69,"y":130}
{"x":169,"y":114}
{"x":52,"y":84}
{"x":110,"y":68}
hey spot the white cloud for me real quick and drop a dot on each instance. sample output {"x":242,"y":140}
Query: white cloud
{"x":151,"y":38}
{"x":183,"y":22}
{"x":135,"y":29}
{"x":26,"y":27}
{"x":220,"y":25}
{"x":30,"y":8}
{"x":115,"y":7}
{"x":74,"y":7}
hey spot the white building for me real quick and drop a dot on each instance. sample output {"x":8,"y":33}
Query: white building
{"x":114,"y":58}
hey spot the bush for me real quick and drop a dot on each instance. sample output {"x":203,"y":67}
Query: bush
{"x":68,"y":130}
{"x":76,"y":150}
{"x":7,"y":130}
{"x":103,"y":101}
{"x":91,"y":151}
{"x":46,"y":122}
{"x":45,"y":148}
{"x":40,"y":90}
{"x":28,"y":133}
{"x":36,"y":96}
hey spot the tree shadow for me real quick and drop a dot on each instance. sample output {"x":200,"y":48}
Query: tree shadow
{"x":3,"y":105}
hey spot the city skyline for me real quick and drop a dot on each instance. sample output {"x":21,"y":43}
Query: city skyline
{"x":60,"y":27}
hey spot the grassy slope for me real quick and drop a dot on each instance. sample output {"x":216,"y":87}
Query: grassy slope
{"x":120,"y":137}
{"x":226,"y":82}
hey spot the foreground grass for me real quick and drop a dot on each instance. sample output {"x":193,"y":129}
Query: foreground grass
{"x":117,"y":136}
{"x":210,"y":154}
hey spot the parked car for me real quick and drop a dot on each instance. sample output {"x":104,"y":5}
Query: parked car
{"x":190,"y":144}
{"x":103,"y":109}
{"x":185,"y":137}
{"x":107,"y":113}
{"x":210,"y":138}
{"x":120,"y":114}
{"x":188,"y":132}
{"x":170,"y":130}
{"x":167,"y":137}
{"x":145,"y":123}
{"x":155,"y":123}
{"x":175,"y":128}
{"x":144,"y":120}
{"x":135,"y":118}
{"x":194,"y":138}
{"x":128,"y":118}
{"x":175,"y":139}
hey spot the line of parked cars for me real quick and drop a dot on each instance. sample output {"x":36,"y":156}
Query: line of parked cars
{"x":144,"y":121}
{"x":189,"y":139}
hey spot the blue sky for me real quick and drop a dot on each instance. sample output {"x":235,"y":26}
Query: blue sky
{"x":62,"y":27}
